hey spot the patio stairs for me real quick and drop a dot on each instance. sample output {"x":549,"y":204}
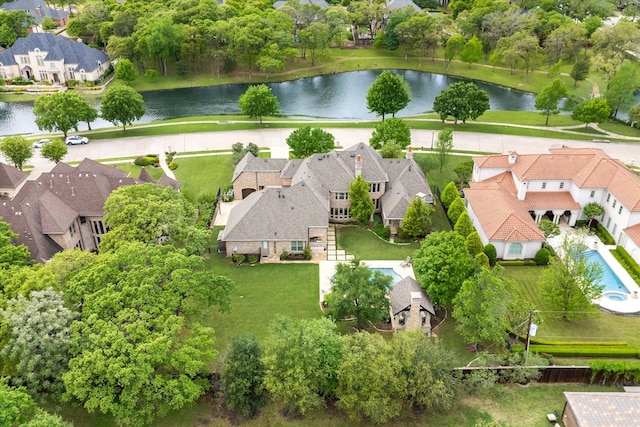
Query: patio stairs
{"x":334,"y":254}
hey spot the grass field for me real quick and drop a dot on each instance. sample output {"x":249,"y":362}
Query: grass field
{"x":364,"y":244}
{"x":203,"y":175}
{"x":134,"y":170}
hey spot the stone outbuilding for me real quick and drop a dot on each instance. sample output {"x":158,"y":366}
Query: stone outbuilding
{"x":411,"y":307}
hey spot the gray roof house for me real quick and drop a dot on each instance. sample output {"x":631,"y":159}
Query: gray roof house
{"x":63,"y":208}
{"x":11,"y":179}
{"x":411,"y":307}
{"x":53,"y":58}
{"x":601,"y":409}
{"x":326,"y":177}
{"x":38,"y":9}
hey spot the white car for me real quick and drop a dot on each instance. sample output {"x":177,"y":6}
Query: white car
{"x":76,"y":140}
{"x":40,"y":143}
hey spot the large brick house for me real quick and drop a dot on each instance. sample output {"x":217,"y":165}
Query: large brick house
{"x":63,"y":208}
{"x":510,"y":194}
{"x":288,"y":204}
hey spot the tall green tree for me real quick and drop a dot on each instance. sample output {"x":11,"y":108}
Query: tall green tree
{"x":359,"y":292}
{"x":595,"y":110}
{"x":16,"y":149}
{"x":481,"y":306}
{"x":13,"y":25}
{"x":453,"y":48}
{"x":619,"y":94}
{"x":464,"y":171}
{"x":464,"y":225}
{"x":238,"y":151}
{"x":16,"y":406}
{"x":305,"y":141}
{"x":259,"y":101}
{"x":54,"y":150}
{"x":472,"y":51}
{"x":163,"y":40}
{"x":242,"y":376}
{"x":151,"y":214}
{"x":417,"y":219}
{"x":11,"y":254}
{"x":580,"y":70}
{"x":444,"y":146}
{"x":456,"y":209}
{"x":462,"y":100}
{"x":62,"y":112}
{"x":441,"y":264}
{"x":592,"y":211}
{"x":549,"y":97}
{"x":122,"y":104}
{"x":388,"y":94}
{"x":301,"y":357}
{"x":315,"y":40}
{"x":126,"y":71}
{"x":572,"y":282}
{"x":361,"y":204}
{"x":394,"y":130}
{"x":449,"y":194}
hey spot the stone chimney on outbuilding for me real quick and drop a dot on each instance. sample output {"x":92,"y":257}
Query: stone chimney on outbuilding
{"x":414,"y":321}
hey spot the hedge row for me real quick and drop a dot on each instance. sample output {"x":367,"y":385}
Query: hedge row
{"x":585,"y":350}
{"x":579,"y":343}
{"x":627,"y":262}
{"x":604,"y":235}
{"x":517,"y":262}
{"x":629,"y":370}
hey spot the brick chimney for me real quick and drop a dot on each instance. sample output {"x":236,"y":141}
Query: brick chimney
{"x":38,"y":10}
{"x":358,"y":165}
{"x":409,"y":153}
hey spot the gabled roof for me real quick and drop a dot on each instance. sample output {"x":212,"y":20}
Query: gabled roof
{"x":634,"y":233}
{"x":56,"y":48}
{"x":251,"y":163}
{"x":400,"y":296}
{"x":284,"y":213}
{"x":36,"y":8}
{"x":11,"y":177}
{"x":399,"y":4}
{"x":600,"y":409}
{"x":406,"y":181}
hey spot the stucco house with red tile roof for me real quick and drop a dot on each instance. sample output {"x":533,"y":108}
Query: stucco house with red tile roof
{"x":63,"y":208}
{"x":510,"y":194}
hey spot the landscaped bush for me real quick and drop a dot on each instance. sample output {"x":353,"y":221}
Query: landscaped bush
{"x":614,"y":369}
{"x":307,"y":253}
{"x":542,"y":257}
{"x":518,"y":262}
{"x":20,"y":82}
{"x":238,"y":258}
{"x":491,"y":253}
{"x":173,"y":166}
{"x":382,"y":231}
{"x":141,"y":161}
{"x":581,"y":223}
{"x":585,"y":351}
{"x":627,"y":262}
{"x":604,"y":235}
{"x":284,"y":255}
{"x":253,"y":259}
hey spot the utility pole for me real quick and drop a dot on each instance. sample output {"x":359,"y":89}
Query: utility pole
{"x":529,"y":334}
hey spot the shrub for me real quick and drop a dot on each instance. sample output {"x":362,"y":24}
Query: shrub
{"x":586,"y":351}
{"x":491,"y":253}
{"x":456,"y":209}
{"x":604,"y":235}
{"x":482,"y":259}
{"x":614,"y":369}
{"x":448,"y":195}
{"x":238,"y":258}
{"x":474,"y":245}
{"x":581,"y":223}
{"x":542,"y":257}
{"x":141,"y":161}
{"x":382,"y":231}
{"x":307,"y":253}
{"x":284,"y":255}
{"x":253,"y":259}
{"x":173,"y":166}
{"x":627,"y":262}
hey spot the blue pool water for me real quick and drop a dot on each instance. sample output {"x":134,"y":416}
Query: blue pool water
{"x":389,"y":272}
{"x":609,"y":278}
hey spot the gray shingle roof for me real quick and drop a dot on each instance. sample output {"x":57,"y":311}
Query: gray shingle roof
{"x":31,"y":6}
{"x":277,"y":214}
{"x":11,"y":177}
{"x":57,"y":48}
{"x":602,"y":409}
{"x":400,"y":296}
{"x":406,"y":180}
{"x":251,"y":163}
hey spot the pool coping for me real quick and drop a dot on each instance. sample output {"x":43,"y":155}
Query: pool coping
{"x":632,"y":304}
{"x":328,"y":269}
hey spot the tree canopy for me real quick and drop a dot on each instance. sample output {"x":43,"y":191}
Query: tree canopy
{"x":63,"y":111}
{"x":306,"y":141}
{"x":122,"y":104}
{"x":16,"y":149}
{"x":462,"y":101}
{"x":549,"y":97}
{"x":54,"y":150}
{"x":595,"y":110}
{"x":417,"y":219}
{"x":258,"y":101}
{"x":388,"y":94}
{"x":391,"y":131}
{"x":11,"y":254}
{"x":361,"y":203}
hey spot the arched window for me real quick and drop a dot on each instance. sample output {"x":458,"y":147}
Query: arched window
{"x":515,"y":249}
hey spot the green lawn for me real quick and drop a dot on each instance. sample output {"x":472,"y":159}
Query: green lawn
{"x":606,"y":327}
{"x":364,"y":244}
{"x":431,"y":167}
{"x":203,"y":175}
{"x":134,"y":170}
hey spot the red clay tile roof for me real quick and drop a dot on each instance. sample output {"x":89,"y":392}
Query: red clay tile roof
{"x":634,"y":233}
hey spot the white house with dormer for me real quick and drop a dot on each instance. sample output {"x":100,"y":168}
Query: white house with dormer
{"x":510,"y":194}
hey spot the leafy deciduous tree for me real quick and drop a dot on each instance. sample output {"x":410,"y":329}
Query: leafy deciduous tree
{"x":258,"y":101}
{"x":163,"y":40}
{"x":472,"y":51}
{"x":238,"y":151}
{"x":462,"y":100}
{"x":62,"y":111}
{"x":580,"y":70}
{"x":464,"y":171}
{"x":54,"y":150}
{"x":16,"y":149}
{"x":417,"y":219}
{"x":388,"y":94}
{"x":443,"y":146}
{"x":361,"y":204}
{"x":619,"y":94}
{"x":10,"y":254}
{"x":549,"y":97}
{"x":594,"y":110}
{"x":126,"y":71}
{"x":305,"y":141}
{"x":454,"y":47}
{"x":242,"y":376}
{"x":592,"y":210}
{"x":122,"y":104}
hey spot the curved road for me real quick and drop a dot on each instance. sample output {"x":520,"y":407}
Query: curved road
{"x":275,"y":139}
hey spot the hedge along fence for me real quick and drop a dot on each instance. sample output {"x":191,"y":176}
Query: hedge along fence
{"x":616,"y":370}
{"x":586,"y":350}
{"x":627,"y":262}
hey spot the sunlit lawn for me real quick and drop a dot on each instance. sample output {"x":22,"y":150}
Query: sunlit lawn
{"x":134,"y":170}
{"x":203,"y":175}
{"x":364,"y":244}
{"x":606,"y":327}
{"x":431,"y":167}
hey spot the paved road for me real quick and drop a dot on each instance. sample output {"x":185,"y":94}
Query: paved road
{"x":275,"y":139}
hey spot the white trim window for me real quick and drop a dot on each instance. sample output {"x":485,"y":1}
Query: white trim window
{"x":515,"y":249}
{"x":297,"y":246}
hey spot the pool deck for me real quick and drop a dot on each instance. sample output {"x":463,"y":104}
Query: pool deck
{"x":629,"y":306}
{"x":328,"y":269}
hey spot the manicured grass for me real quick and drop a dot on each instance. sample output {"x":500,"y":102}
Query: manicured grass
{"x":204,"y":175}
{"x":431,"y":167}
{"x":528,"y":118}
{"x":262,"y":292}
{"x":620,"y":128}
{"x":439,"y":220}
{"x":364,"y":244}
{"x":134,"y":170}
{"x":606,"y":327}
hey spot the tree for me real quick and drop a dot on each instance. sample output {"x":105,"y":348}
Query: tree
{"x":394,"y":130}
{"x":16,"y":149}
{"x":592,"y":210}
{"x":456,"y":209}
{"x":449,"y":194}
{"x":594,"y":110}
{"x":549,"y":97}
{"x":305,"y":141}
{"x":491,"y":253}
{"x":481,"y":305}
{"x":45,"y":419}
{"x":16,"y":406}
{"x":164,"y":39}
{"x":301,"y":357}
{"x":39,"y":340}
{"x":472,"y":51}
{"x":258,"y":101}
{"x":151,"y":214}
{"x":242,"y":376}
{"x":359,"y":292}
{"x":315,"y":39}
{"x":441,"y":264}
{"x":464,"y":225}
{"x":473,"y":243}
{"x":549,"y":228}
{"x":122,"y":104}
{"x":370,"y":385}
{"x":443,"y":146}
{"x":462,"y":100}
{"x":388,"y":94}
{"x":126,"y":71}
{"x":417,"y":219}
{"x":13,"y":25}
{"x":238,"y":151}
{"x":391,"y":150}
{"x":619,"y":94}
{"x":572,"y":282}
{"x":62,"y":112}
{"x":453,"y":47}
{"x":634,"y":116}
{"x":10,"y":254}
{"x":54,"y":150}
{"x":580,"y":70}
{"x":464,"y":171}
{"x":361,"y":204}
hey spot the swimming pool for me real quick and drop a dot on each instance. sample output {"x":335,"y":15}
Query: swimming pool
{"x":389,"y":272}
{"x":614,"y":289}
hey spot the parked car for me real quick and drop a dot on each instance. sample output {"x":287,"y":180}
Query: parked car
{"x":40,"y":143}
{"x":76,"y":140}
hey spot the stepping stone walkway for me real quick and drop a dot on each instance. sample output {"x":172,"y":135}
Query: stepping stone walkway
{"x":334,"y":254}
